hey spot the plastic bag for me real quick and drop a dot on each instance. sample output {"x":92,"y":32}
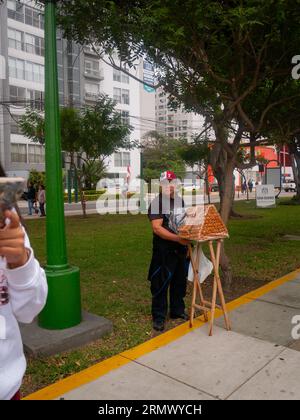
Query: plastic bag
{"x":205,"y":266}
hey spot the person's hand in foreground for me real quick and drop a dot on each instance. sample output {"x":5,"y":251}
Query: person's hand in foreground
{"x":12,"y":244}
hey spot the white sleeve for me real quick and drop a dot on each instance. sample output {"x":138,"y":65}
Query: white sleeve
{"x":27,"y":287}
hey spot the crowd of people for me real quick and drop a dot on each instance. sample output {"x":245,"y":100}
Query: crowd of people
{"x":36,"y":198}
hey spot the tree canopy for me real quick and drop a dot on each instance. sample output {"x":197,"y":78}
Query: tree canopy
{"x":160,"y":154}
{"x":228,"y":60}
{"x":92,"y":132}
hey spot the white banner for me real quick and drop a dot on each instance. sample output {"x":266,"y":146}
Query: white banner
{"x":265,"y":196}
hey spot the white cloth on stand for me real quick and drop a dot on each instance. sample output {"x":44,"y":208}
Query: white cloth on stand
{"x":205,"y":265}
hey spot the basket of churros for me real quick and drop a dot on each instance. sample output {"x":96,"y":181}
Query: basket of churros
{"x":203,"y":224}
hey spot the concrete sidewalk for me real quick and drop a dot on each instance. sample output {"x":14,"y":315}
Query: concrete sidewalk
{"x":258,"y":359}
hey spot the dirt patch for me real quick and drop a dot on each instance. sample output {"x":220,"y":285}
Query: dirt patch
{"x":245,"y":217}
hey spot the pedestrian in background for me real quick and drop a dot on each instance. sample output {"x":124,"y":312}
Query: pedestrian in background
{"x":31,"y":197}
{"x":244,"y":187}
{"x":42,"y":200}
{"x":250,"y":185}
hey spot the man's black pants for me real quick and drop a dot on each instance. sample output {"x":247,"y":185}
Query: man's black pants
{"x":168,"y":271}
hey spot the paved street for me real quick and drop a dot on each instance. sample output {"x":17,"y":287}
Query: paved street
{"x":75,"y":208}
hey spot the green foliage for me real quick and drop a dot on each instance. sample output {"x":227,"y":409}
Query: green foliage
{"x":160,"y":154}
{"x":194,"y":153}
{"x":92,"y":133}
{"x":32,"y":125}
{"x":90,"y":173}
{"x":97,"y":131}
{"x":102,"y":129}
{"x":37,"y":178}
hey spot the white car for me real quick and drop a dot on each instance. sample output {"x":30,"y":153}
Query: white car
{"x":289,"y":185}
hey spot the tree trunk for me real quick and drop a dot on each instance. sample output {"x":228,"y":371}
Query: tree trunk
{"x":224,"y":175}
{"x":296,"y":171}
{"x":207,"y":186}
{"x":83,"y":202}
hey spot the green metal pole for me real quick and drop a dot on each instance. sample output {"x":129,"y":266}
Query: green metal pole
{"x":69,"y":182}
{"x":142,"y":191}
{"x":63,"y":307}
{"x":75,"y":183}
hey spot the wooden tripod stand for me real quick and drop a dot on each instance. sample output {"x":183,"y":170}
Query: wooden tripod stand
{"x":205,"y":305}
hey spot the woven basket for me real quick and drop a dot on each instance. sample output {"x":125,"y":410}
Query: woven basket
{"x":211,"y":228}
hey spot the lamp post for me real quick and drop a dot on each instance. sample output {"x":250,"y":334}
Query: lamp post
{"x":142,"y":183}
{"x":63,"y":307}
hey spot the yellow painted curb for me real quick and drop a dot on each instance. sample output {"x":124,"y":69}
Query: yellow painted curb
{"x":90,"y":374}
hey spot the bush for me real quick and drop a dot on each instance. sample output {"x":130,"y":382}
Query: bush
{"x":37,"y":178}
{"x":294,"y":201}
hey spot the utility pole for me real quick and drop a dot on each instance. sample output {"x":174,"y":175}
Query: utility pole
{"x":63,"y":307}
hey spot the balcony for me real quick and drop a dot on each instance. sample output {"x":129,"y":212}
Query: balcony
{"x":91,"y":51}
{"x":91,"y":96}
{"x":94,"y":74}
{"x":24,"y":46}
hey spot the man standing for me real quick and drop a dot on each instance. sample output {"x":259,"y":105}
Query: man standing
{"x":168,"y":265}
{"x":31,"y":197}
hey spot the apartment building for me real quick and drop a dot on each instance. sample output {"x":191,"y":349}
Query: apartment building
{"x":134,"y":100}
{"x":175,"y":124}
{"x":22,"y":49}
{"x":82,"y":76}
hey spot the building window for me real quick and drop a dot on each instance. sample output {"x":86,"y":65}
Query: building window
{"x":34,"y":97}
{"x":125,"y":77}
{"x":120,"y":76}
{"x":15,"y":39}
{"x":117,"y":95}
{"x":122,"y":159}
{"x":15,"y":10}
{"x":18,"y":152}
{"x":125,"y":117}
{"x":16,"y":68}
{"x":125,"y":96}
{"x":91,"y":90}
{"x":34,"y":44}
{"x":116,"y":75}
{"x":33,"y":17}
{"x":21,"y":69}
{"x":34,"y":72}
{"x":14,"y":126}
{"x":36,"y":153}
{"x":91,"y":68}
{"x":17,"y":93}
{"x":25,"y":14}
{"x":25,"y":42}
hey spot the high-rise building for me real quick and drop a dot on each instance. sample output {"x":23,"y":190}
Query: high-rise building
{"x":134,"y":100}
{"x":82,"y":76}
{"x":175,"y":124}
{"x":22,"y":49}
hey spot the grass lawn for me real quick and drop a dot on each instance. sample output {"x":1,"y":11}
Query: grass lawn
{"x":113,"y":253}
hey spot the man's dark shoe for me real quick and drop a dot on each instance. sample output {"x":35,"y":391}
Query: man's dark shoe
{"x":183,"y":316}
{"x":158,"y":325}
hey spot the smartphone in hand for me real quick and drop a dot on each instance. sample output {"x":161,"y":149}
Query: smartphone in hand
{"x":11,"y":190}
